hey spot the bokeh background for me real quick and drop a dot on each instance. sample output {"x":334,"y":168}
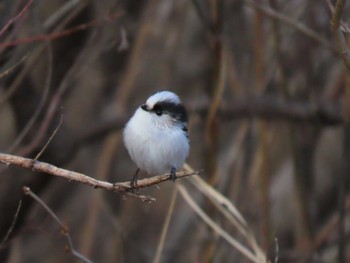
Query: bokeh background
{"x":266,"y":92}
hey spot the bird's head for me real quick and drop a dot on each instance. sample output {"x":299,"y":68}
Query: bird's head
{"x":165,"y":109}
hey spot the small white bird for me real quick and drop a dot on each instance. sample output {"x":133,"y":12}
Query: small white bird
{"x":156,"y":136}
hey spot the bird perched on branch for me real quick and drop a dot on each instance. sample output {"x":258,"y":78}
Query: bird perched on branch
{"x":156,"y":136}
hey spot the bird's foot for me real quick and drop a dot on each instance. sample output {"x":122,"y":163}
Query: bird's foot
{"x":133,"y":181}
{"x":173,"y":176}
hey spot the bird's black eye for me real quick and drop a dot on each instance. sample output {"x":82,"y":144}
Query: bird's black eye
{"x":158,"y":109}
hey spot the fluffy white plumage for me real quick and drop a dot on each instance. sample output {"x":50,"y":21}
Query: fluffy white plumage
{"x":156,"y":135}
{"x":162,"y":96}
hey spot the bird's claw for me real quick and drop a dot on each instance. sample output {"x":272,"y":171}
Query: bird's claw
{"x":173,"y":176}
{"x":133,"y":181}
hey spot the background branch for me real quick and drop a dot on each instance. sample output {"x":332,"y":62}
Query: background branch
{"x":302,"y":28}
{"x":265,"y":107}
{"x":344,"y":53}
{"x":275,"y":108}
{"x":64,"y":228}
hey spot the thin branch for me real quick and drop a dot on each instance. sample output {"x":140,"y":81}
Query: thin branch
{"x":12,"y":224}
{"x":343,"y":26}
{"x":36,"y":52}
{"x":265,"y":107}
{"x":165,"y":227}
{"x":330,"y":227}
{"x":342,"y":44}
{"x":59,"y":34}
{"x":225,"y":235}
{"x":337,"y":13}
{"x":119,"y":187}
{"x":19,"y":15}
{"x":12,"y":68}
{"x":61,"y":12}
{"x":49,"y":140}
{"x":75,"y":69}
{"x":228,"y":209}
{"x":293,"y":23}
{"x":63,"y":227}
{"x":344,"y":52}
{"x":276,"y":108}
{"x":41,"y":104}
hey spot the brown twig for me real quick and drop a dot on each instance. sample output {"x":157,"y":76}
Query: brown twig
{"x":8,"y":233}
{"x":13,"y":67}
{"x":35,"y":53}
{"x":74,"y":71}
{"x":342,"y":45}
{"x":229,"y":211}
{"x":49,"y":140}
{"x":344,"y":53}
{"x":165,"y":227}
{"x":217,"y":228}
{"x":119,"y":187}
{"x":19,"y":15}
{"x":276,"y":108}
{"x":261,"y":160}
{"x":63,"y":227}
{"x":330,"y":227}
{"x":59,"y":34}
{"x":343,"y":26}
{"x":293,"y":23}
{"x":41,"y":104}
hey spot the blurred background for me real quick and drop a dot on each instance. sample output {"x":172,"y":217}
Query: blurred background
{"x":265,"y":89}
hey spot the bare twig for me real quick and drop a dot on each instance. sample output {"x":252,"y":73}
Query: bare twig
{"x":61,"y":12}
{"x":59,"y":34}
{"x":12,"y":224}
{"x":63,"y":227}
{"x":343,"y":26}
{"x":291,"y":22}
{"x":119,"y":187}
{"x":19,"y":15}
{"x":261,"y":160}
{"x":36,"y":52}
{"x":228,"y":209}
{"x":165,"y":227}
{"x":342,"y":45}
{"x":329,"y":227}
{"x":11,"y":68}
{"x":41,"y":104}
{"x":49,"y":140}
{"x":232,"y":241}
{"x":219,"y":199}
{"x":303,"y":222}
{"x":276,"y":108}
{"x":76,"y":68}
{"x":344,"y":52}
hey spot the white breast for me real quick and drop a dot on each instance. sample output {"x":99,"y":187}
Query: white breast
{"x":155,"y":147}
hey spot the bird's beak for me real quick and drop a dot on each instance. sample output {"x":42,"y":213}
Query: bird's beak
{"x":144,"y":107}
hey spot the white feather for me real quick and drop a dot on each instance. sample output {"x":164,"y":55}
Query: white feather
{"x":156,"y":143}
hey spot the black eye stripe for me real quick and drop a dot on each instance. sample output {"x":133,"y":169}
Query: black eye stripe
{"x":177,"y":111}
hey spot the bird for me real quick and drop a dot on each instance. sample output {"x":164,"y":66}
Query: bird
{"x":156,"y":136}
